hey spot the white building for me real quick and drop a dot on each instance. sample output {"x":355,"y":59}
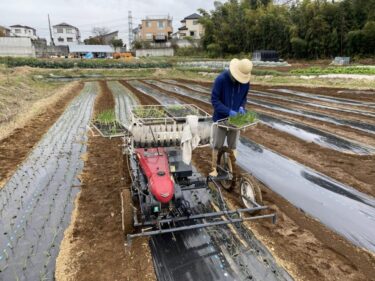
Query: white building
{"x":191,"y":27}
{"x":65,"y":34}
{"x":23,"y":31}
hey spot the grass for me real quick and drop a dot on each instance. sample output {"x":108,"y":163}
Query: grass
{"x":241,"y":120}
{"x":335,"y":70}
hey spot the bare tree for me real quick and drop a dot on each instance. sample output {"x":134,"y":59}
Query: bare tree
{"x":99,"y":33}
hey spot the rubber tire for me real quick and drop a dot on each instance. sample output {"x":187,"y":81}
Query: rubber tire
{"x":226,"y":184}
{"x":256,"y":189}
{"x":126,"y":212}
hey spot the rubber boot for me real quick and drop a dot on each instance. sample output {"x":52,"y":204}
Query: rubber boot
{"x":213,"y":172}
{"x":234,"y":152}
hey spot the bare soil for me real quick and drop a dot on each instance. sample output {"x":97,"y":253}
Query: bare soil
{"x":366,"y":95}
{"x":93,"y":246}
{"x":354,"y":170}
{"x":343,"y":131}
{"x":311,"y":99}
{"x":329,"y":112}
{"x":306,"y":248}
{"x":15,"y":147}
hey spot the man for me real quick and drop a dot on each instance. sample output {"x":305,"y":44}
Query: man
{"x":229,"y":97}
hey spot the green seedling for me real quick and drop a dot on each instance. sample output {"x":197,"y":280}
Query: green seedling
{"x":107,"y":117}
{"x":241,"y":120}
{"x":149,"y":112}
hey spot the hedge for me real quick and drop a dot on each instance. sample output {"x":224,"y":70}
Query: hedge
{"x":50,"y":63}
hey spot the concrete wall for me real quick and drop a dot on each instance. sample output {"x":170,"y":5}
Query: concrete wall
{"x":16,"y":47}
{"x":51,"y":51}
{"x":162,"y":52}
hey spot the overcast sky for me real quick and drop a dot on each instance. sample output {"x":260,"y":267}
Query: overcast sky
{"x":85,"y":14}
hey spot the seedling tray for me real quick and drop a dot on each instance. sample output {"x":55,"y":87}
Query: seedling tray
{"x":113,"y":130}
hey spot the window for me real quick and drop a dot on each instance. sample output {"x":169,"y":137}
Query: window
{"x":60,"y":39}
{"x":192,"y":33}
{"x":148,"y":24}
{"x":60,"y":30}
{"x":195,"y":22}
{"x":149,"y":36}
{"x":161,"y":24}
{"x":69,"y":30}
{"x":69,"y":39}
{"x":17,"y":30}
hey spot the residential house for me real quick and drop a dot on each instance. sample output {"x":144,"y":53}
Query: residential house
{"x":65,"y":34}
{"x":156,"y":29}
{"x":4,"y":31}
{"x":23,"y":31}
{"x":191,"y":27}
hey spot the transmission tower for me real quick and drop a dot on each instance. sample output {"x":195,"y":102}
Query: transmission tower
{"x":130,"y":20}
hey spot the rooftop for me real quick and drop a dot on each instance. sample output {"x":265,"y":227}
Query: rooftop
{"x":4,"y":27}
{"x":65,"y":24}
{"x":158,"y":17}
{"x":194,"y":16}
{"x":23,"y":26}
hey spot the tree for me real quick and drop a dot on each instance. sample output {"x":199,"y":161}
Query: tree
{"x":299,"y":47}
{"x":308,"y":28}
{"x":92,"y":41}
{"x":117,"y":43}
{"x":99,"y":33}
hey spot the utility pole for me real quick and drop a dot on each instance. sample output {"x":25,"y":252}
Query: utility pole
{"x":50,"y":31}
{"x":130,"y":21}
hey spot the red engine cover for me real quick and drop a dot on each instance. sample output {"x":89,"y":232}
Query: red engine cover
{"x":156,"y":168}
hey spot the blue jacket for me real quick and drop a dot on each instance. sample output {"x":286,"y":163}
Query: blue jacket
{"x":227,"y":95}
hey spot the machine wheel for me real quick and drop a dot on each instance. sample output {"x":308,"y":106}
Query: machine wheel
{"x":127,"y":212}
{"x":249,"y":189}
{"x":225,"y":162}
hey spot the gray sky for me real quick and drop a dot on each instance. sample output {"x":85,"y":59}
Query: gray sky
{"x":85,"y":14}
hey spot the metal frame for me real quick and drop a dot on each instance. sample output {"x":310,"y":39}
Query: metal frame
{"x":168,"y":118}
{"x":168,"y":224}
{"x":220,"y":123}
{"x":228,"y":214}
{"x":118,"y":135}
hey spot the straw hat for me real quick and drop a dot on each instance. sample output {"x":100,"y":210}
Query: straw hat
{"x":241,"y":70}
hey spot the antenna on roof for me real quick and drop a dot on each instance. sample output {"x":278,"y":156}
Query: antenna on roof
{"x":50,"y":31}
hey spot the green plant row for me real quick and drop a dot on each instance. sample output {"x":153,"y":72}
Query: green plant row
{"x":335,"y":70}
{"x":66,"y":63}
